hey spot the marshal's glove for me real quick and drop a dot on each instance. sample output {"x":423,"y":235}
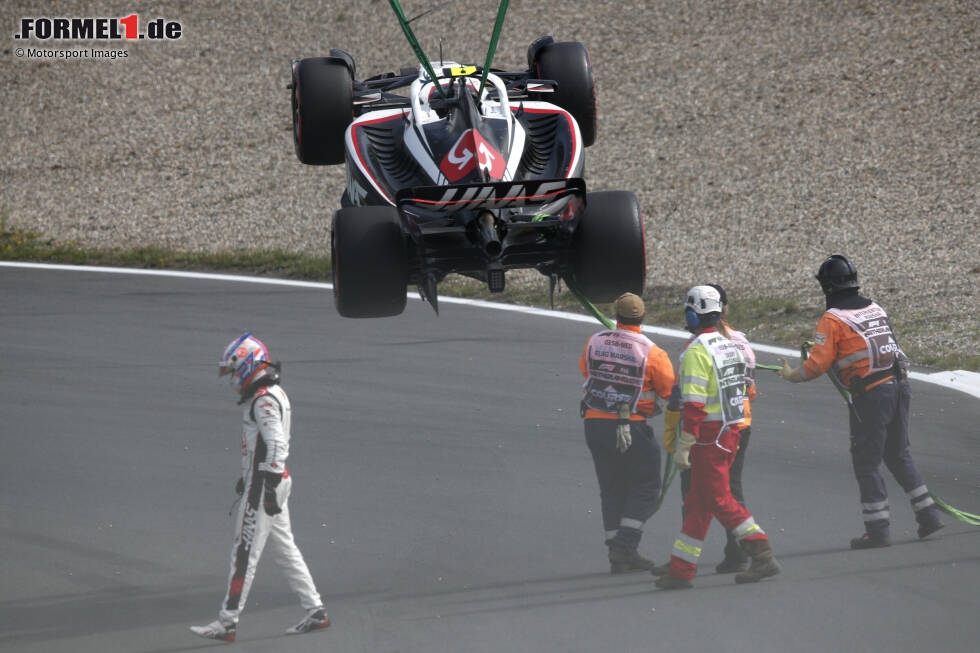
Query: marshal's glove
{"x":682,"y":457}
{"x":240,"y":486}
{"x":674,"y":401}
{"x":788,"y":373}
{"x":623,"y":436}
{"x":269,"y":499}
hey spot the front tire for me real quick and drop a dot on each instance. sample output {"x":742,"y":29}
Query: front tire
{"x":610,"y":252}
{"x":370,"y":262}
{"x":568,"y":63}
{"x":323,"y":107}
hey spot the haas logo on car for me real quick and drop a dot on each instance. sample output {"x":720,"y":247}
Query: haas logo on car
{"x":469,"y":152}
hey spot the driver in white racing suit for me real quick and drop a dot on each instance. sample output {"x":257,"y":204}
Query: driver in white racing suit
{"x":263,"y":513}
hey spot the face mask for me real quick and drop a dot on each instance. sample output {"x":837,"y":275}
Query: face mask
{"x":693,"y":321}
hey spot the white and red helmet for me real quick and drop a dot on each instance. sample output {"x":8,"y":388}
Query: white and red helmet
{"x":246,"y":359}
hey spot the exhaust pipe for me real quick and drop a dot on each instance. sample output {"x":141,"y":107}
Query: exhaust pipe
{"x":488,"y":235}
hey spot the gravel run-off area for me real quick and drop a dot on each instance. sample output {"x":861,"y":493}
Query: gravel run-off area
{"x":759,"y":136}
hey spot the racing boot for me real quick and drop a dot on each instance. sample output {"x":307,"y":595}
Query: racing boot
{"x":735,"y":558}
{"x":316,"y":619}
{"x":216,"y":630}
{"x":671,"y":582}
{"x":623,"y":559}
{"x":764,"y":563}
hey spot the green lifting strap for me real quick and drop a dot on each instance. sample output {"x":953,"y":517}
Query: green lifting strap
{"x":501,"y":11}
{"x":412,"y":41}
{"x":955,"y":513}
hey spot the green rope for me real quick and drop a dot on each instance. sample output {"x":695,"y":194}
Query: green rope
{"x":844,"y":392}
{"x":591,"y":308}
{"x":501,"y":10}
{"x":955,"y":513}
{"x":412,"y":41}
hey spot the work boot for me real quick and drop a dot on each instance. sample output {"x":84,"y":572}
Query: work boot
{"x":735,"y":558}
{"x":869,"y":541}
{"x":930,"y":527}
{"x":732,"y":565}
{"x":764,"y":564}
{"x":660,"y":570}
{"x":671,"y":582}
{"x":623,"y":559}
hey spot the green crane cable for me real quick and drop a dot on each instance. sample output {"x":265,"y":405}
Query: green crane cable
{"x":955,"y":513}
{"x":591,"y":308}
{"x":497,"y":27}
{"x":412,"y":41}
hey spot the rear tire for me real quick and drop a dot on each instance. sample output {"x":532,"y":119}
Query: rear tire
{"x":370,"y":262}
{"x":568,"y":63}
{"x":323,"y":107}
{"x":610,"y":252}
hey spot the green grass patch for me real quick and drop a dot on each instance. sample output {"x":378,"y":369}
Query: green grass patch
{"x":24,"y":245}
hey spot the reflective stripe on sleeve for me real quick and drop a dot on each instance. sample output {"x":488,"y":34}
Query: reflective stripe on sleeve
{"x":695,"y":380}
{"x":850,"y":358}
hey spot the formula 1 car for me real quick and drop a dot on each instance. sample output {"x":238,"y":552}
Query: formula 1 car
{"x":475,"y":171}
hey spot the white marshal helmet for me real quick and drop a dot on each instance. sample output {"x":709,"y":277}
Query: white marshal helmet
{"x":703,"y":300}
{"x":246,"y":359}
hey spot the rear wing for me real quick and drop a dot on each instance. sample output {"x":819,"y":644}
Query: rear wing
{"x":497,"y":195}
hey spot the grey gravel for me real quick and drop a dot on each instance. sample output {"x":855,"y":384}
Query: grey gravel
{"x":759,"y":136}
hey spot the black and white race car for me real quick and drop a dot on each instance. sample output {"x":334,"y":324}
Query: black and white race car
{"x":473,"y":171}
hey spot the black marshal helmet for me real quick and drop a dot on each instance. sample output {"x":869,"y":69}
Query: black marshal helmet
{"x":837,"y":273}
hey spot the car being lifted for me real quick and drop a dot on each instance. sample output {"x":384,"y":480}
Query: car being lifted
{"x":474,"y":171}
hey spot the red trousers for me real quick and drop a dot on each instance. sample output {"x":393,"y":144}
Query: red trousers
{"x":710,"y":496}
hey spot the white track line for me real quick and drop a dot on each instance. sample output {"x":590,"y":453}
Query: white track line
{"x":968,"y":382}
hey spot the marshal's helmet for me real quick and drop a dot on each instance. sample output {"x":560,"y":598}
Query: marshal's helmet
{"x":246,"y":359}
{"x":836,"y":274}
{"x":703,"y":303}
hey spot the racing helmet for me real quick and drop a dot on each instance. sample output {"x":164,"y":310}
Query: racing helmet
{"x":837,"y":273}
{"x":246,"y":359}
{"x":703,"y":302}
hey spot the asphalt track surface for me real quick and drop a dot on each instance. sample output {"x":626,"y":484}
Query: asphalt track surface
{"x":444,"y":497}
